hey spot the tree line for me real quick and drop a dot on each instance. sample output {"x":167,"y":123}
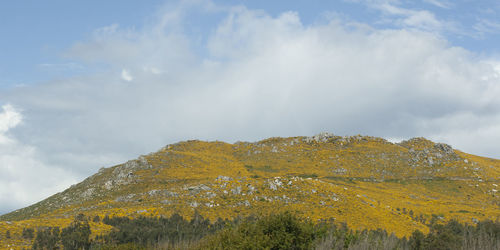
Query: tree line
{"x":278,"y":231}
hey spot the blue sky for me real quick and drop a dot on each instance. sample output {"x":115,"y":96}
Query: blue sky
{"x":96,"y":83}
{"x":36,"y":34}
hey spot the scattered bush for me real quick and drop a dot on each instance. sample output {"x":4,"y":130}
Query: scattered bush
{"x":148,"y":231}
{"x":28,"y":233}
{"x":76,"y":236}
{"x":46,"y":238}
{"x":281,"y":231}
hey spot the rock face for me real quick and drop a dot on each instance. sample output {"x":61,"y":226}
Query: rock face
{"x":125,"y":174}
{"x":321,"y":137}
{"x":445,"y":148}
{"x":428,"y":147}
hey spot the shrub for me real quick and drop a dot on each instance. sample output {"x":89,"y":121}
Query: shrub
{"x":147,"y":231}
{"x":281,"y":231}
{"x":28,"y":233}
{"x":46,"y":238}
{"x":76,"y":236}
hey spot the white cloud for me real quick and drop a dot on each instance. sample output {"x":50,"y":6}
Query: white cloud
{"x":440,"y":3}
{"x":421,"y":19}
{"x":257,"y":76}
{"x":153,"y":70}
{"x":395,"y":14}
{"x":126,"y":76}
{"x":23,"y":178}
{"x":9,"y":118}
{"x":485,"y":26}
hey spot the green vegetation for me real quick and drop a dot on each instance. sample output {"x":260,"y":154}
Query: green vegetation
{"x":308,"y":176}
{"x":28,"y":233}
{"x":46,"y":238}
{"x":148,"y":231}
{"x":365,"y":182}
{"x":452,"y":235}
{"x":281,"y":231}
{"x":76,"y":236}
{"x":284,"y":230}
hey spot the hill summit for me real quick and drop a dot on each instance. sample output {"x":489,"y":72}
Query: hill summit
{"x":366,"y":182}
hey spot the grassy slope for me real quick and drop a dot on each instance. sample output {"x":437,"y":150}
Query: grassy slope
{"x":366,"y":182}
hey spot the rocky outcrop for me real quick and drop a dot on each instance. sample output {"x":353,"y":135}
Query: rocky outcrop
{"x":321,"y":137}
{"x":423,"y":152}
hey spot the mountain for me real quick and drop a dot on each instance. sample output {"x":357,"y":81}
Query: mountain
{"x":366,"y":182}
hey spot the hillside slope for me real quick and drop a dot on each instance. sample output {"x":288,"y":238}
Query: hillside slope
{"x":366,"y":182}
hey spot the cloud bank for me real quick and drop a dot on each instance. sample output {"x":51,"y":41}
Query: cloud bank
{"x":23,"y":177}
{"x":253,"y":76}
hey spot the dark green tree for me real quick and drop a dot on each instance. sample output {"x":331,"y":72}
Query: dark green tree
{"x":417,"y":240}
{"x":281,"y":231}
{"x":28,"y":233}
{"x":76,"y":235}
{"x":46,"y":238}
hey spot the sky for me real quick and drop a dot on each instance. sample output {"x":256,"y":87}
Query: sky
{"x":92,"y":84}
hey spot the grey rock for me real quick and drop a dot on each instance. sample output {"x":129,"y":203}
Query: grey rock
{"x":170,"y":193}
{"x":275,"y":184}
{"x":87,"y":193}
{"x":109,"y":184}
{"x":340,"y":171}
{"x":251,"y":189}
{"x":447,"y":149}
{"x":166,"y":202}
{"x":210,"y":195}
{"x":431,"y":161}
{"x":321,"y":137}
{"x":236,"y":190}
{"x":223,"y":178}
{"x":125,"y":198}
{"x":198,"y":188}
{"x":155,"y":192}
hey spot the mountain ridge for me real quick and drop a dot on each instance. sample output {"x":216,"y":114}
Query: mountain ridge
{"x":367,"y":182}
